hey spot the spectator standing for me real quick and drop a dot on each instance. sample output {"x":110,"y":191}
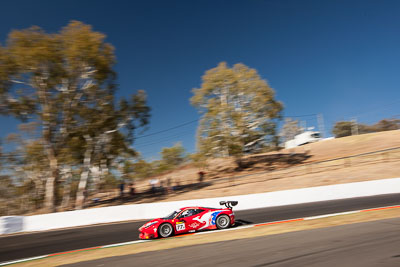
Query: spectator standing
{"x":169,"y":185}
{"x":153,"y":184}
{"x":201,"y":176}
{"x":132,"y":189}
{"x":121,"y":188}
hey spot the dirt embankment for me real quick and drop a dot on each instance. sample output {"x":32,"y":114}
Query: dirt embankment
{"x":286,"y":169}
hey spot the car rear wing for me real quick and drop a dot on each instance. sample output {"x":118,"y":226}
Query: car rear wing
{"x":229,"y":204}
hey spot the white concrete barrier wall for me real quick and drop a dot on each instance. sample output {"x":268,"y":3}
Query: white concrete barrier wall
{"x":11,"y":224}
{"x":252,"y":201}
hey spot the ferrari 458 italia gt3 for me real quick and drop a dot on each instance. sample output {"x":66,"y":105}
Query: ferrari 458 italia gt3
{"x":190,"y":219}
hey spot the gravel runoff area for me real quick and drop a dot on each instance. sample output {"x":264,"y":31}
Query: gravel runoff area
{"x":374,"y":243}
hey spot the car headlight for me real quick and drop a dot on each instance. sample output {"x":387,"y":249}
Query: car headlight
{"x":147,"y":225}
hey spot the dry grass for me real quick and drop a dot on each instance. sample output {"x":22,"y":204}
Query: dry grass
{"x":379,"y":166}
{"x":215,"y":237}
{"x":267,"y":176}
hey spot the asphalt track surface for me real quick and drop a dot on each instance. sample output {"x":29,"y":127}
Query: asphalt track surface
{"x":29,"y":245}
{"x":363,"y":244}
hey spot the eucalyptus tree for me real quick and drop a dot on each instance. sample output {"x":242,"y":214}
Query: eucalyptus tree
{"x":239,"y":111}
{"x":26,"y":163}
{"x":59,"y":80}
{"x":106,"y":139}
{"x":173,"y":156}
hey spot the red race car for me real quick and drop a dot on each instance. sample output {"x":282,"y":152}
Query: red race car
{"x":188,"y":220}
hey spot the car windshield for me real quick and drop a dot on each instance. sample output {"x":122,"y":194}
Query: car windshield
{"x":172,"y":215}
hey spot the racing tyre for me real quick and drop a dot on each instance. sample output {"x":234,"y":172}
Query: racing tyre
{"x":223,"y":221}
{"x":165,"y":230}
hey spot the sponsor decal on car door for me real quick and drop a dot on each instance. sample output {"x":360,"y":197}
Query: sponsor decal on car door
{"x":180,"y":226}
{"x":206,"y":220}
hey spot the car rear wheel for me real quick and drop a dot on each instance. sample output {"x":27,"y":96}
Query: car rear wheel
{"x":223,"y":221}
{"x":165,"y":230}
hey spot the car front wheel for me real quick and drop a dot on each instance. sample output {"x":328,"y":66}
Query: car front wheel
{"x":165,"y":230}
{"x":223,"y":221}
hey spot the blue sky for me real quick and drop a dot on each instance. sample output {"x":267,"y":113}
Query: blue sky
{"x":337,"y":58}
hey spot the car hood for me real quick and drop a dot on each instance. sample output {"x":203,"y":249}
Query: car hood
{"x":151,"y":223}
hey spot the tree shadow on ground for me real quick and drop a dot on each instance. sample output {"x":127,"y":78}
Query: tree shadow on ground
{"x":271,"y":162}
{"x":249,"y":163}
{"x":239,"y":222}
{"x":148,"y":196}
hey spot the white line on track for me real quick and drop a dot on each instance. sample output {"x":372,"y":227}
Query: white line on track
{"x":23,"y":260}
{"x":330,"y":215}
{"x":230,"y":229}
{"x":125,"y":243}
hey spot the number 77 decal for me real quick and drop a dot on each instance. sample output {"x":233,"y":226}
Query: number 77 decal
{"x":180,"y":226}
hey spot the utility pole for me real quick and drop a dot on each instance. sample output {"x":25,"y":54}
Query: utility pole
{"x":354,"y":126}
{"x":321,"y":125}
